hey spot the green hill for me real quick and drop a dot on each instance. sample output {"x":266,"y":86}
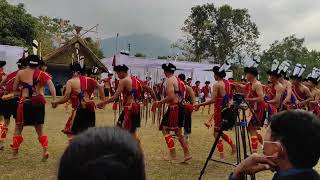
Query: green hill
{"x":148,"y":44}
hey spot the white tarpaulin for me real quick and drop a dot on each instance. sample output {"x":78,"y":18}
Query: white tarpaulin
{"x":143,"y":68}
{"x":10,"y":54}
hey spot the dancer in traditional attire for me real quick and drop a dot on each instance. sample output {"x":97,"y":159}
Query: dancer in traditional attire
{"x":31,"y":108}
{"x":79,"y":90}
{"x":300,"y":91}
{"x":313,"y":81}
{"x":108,"y":85}
{"x":274,"y":90}
{"x":2,"y":76}
{"x":206,"y":90}
{"x":173,"y":119}
{"x":9,"y":103}
{"x":221,"y":95}
{"x":288,"y":101}
{"x":131,"y":88}
{"x":255,"y":98}
{"x":196,"y":89}
{"x":189,"y":101}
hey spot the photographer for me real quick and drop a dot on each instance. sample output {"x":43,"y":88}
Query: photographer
{"x":291,"y":148}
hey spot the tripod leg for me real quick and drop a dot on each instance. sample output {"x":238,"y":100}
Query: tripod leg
{"x":211,"y":153}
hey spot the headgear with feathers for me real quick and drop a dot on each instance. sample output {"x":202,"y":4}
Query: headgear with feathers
{"x":298,"y":71}
{"x":169,"y":67}
{"x":250,"y":66}
{"x":283,"y":68}
{"x":314,"y":76}
{"x":120,"y":68}
{"x":274,"y":69}
{"x":221,"y":71}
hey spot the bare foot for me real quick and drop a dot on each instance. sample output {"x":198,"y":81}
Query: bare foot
{"x":187,"y":158}
{"x":45,"y":155}
{"x":169,"y":158}
{"x":1,"y":147}
{"x":221,"y":156}
{"x":13,"y":156}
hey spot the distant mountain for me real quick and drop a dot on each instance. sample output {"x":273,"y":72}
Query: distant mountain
{"x":148,"y":44}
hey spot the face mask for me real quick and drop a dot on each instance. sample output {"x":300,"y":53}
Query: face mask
{"x":272,"y":142}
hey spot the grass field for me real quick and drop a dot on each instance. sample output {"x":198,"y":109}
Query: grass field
{"x":29,"y":165}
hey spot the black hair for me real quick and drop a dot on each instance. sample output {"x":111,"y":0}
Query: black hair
{"x":169,"y":68}
{"x":182,"y":77}
{"x":207,"y":82}
{"x":299,"y":133}
{"x":2,"y":63}
{"x":251,"y":70}
{"x":121,"y":68}
{"x":189,"y":79}
{"x":76,"y":68}
{"x":102,"y":153}
{"x":21,"y":63}
{"x":197,"y":82}
{"x":33,"y":61}
{"x":313,"y":80}
{"x":217,"y":72}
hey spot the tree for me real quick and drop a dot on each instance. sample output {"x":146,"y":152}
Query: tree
{"x":93,"y":45}
{"x":17,"y":27}
{"x":219,"y":32}
{"x":291,"y":48}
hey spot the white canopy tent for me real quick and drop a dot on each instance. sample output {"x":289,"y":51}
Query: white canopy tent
{"x":10,"y":54}
{"x":143,"y":67}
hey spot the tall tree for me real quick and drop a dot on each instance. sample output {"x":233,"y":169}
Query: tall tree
{"x":220,"y":32}
{"x":17,"y":27}
{"x":290,"y":48}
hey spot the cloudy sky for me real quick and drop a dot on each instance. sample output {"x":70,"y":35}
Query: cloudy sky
{"x":275,"y":18}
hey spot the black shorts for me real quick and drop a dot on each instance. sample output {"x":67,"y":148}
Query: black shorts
{"x":83,"y":120}
{"x":33,"y":113}
{"x":135,"y":121}
{"x":181,"y":118}
{"x":9,"y":108}
{"x":107,"y":92}
{"x":187,"y":122}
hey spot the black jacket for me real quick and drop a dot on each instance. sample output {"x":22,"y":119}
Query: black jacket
{"x":308,"y":175}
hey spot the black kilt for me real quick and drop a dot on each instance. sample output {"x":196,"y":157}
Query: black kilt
{"x":83,"y":120}
{"x":33,"y":113}
{"x":135,"y":121}
{"x":181,"y":117}
{"x":9,"y":108}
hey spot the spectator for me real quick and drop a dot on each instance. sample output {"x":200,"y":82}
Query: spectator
{"x":291,"y":148}
{"x":58,"y":88}
{"x":100,"y":154}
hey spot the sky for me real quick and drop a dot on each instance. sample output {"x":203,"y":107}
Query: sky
{"x":275,"y":19}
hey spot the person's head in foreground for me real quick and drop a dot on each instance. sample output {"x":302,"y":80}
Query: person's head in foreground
{"x":100,"y":154}
{"x":291,"y":148}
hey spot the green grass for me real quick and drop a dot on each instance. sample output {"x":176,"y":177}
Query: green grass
{"x":29,"y":165}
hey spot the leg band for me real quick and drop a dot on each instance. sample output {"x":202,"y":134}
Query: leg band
{"x":220,"y":146}
{"x":17,"y":140}
{"x":4,"y":132}
{"x":169,"y":141}
{"x":43,"y":141}
{"x":254,"y":143}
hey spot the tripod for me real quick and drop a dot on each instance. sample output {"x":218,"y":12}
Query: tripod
{"x":241,"y":132}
